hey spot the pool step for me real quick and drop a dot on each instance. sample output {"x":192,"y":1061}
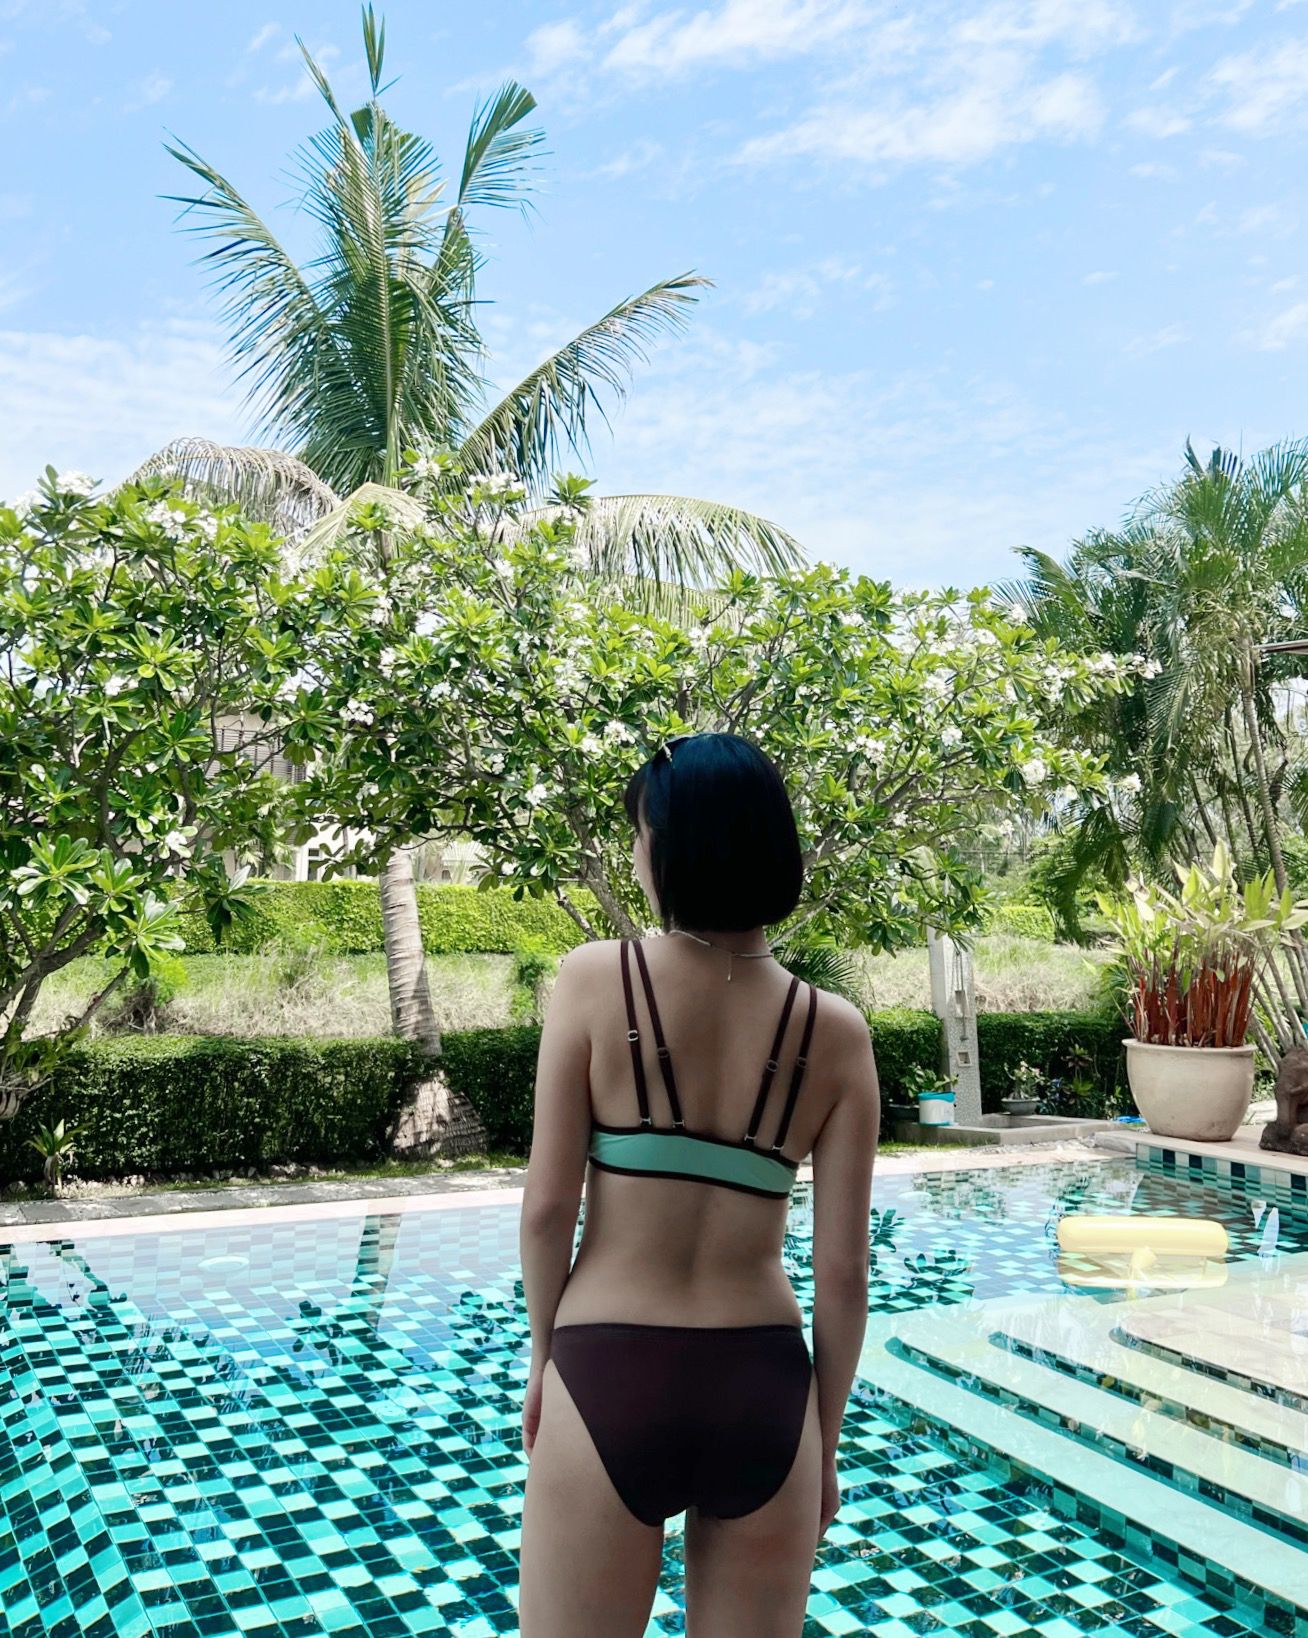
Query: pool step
{"x":1095,"y":1341}
{"x":1210,"y":1543}
{"x":1265,"y":1493}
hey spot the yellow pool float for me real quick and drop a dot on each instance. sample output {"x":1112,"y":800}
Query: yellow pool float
{"x":1160,"y":1253}
{"x":1186,"y":1236}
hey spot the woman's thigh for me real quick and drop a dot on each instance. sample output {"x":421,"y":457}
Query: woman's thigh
{"x":589,"y":1568}
{"x":750,"y":1577}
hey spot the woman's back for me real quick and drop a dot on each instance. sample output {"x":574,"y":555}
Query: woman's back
{"x":683,"y":1250}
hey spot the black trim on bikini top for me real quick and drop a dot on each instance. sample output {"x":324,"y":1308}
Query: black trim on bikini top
{"x":749,"y":1141}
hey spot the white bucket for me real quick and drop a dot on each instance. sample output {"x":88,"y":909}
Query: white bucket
{"x":935,"y":1108}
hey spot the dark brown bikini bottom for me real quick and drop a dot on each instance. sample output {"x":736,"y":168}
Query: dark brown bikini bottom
{"x":684,"y":1415}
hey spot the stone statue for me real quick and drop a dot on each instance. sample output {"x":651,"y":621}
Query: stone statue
{"x":1288,"y":1133}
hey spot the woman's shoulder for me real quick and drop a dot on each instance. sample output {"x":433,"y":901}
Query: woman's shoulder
{"x":840,"y":1027}
{"x":588,"y":960}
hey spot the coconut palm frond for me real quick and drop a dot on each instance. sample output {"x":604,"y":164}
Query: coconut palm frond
{"x":500,"y":158}
{"x":267,"y":484}
{"x":402,"y":510}
{"x":547,"y":413}
{"x":644,"y":541}
{"x":826,"y":966}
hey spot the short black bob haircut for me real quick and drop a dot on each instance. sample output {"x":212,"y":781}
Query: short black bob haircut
{"x":724,"y":849}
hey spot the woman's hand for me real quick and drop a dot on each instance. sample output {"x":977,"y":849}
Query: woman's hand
{"x":830,"y":1494}
{"x":531,"y":1406}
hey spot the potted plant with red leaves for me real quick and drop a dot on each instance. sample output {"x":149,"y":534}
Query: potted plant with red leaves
{"x":1193,"y":960}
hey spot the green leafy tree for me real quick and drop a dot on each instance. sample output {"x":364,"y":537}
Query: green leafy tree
{"x":488,"y":691}
{"x":142,"y":637}
{"x":372,"y":347}
{"x":1207,"y":571}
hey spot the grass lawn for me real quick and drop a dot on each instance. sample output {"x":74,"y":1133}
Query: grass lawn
{"x":298,"y":994}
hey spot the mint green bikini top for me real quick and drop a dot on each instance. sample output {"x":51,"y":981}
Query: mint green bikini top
{"x":699,"y":1157}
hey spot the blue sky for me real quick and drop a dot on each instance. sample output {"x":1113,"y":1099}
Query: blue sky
{"x":980,"y":266}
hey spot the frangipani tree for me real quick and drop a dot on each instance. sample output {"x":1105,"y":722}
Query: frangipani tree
{"x":143,"y":638}
{"x":481,"y":687}
{"x":372,"y":347}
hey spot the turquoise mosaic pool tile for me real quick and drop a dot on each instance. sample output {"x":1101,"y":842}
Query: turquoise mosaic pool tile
{"x":314,"y":1429}
{"x":1270,"y":1182}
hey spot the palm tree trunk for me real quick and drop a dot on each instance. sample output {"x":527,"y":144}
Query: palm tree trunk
{"x":438,"y":1121}
{"x":412,"y":1014}
{"x":1254,"y":731}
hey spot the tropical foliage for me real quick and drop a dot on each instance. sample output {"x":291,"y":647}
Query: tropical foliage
{"x":372,"y":347}
{"x":1208,"y":575}
{"x":1198,"y":958}
{"x":478,"y":685}
{"x":138,"y":632}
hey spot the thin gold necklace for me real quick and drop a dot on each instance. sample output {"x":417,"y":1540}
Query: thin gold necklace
{"x":745,"y":955}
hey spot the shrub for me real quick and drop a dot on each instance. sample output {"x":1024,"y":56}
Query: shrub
{"x":1022,"y":921}
{"x":1066,"y":1046}
{"x":344,"y":918}
{"x":165,"y":1103}
{"x":533,"y":963}
{"x":495,"y":1069}
{"x":907,"y":1047}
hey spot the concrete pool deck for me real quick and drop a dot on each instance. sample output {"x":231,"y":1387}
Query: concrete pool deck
{"x":149,"y":1212}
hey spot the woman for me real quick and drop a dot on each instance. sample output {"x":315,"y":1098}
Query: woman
{"x":669,"y":1370}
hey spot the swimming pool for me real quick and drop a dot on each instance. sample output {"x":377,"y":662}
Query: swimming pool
{"x":313,"y":1427}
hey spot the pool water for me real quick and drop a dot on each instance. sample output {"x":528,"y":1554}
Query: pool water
{"x":314,"y":1428}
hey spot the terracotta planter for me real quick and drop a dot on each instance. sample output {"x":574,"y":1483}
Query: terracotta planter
{"x":1201,"y":1093}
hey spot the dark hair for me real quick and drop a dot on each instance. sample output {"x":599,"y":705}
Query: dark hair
{"x":724,"y":849}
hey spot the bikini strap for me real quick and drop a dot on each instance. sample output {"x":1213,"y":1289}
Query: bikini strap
{"x":633,"y":1036}
{"x":797,"y":1075}
{"x":664,"y":1056}
{"x":770,"y":1068}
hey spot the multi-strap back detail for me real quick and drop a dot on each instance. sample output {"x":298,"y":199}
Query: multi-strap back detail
{"x":661,"y":1151}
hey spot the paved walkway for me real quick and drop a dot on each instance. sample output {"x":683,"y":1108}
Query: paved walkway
{"x":471,"y":1186}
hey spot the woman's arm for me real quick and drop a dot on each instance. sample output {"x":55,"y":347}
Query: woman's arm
{"x":560,"y":1138}
{"x":842,"y":1193}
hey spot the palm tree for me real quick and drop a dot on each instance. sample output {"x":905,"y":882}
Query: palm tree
{"x":1207,"y":570}
{"x":372,"y":348}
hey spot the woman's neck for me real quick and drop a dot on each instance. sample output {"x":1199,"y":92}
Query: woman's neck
{"x":751,"y":942}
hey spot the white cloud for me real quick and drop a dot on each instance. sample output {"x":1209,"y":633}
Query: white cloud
{"x":1098,"y":277}
{"x":263,"y":36}
{"x":942,"y":473}
{"x":299,"y":86}
{"x":638,"y":157}
{"x":802,"y":291}
{"x":554,"y":46}
{"x":734,"y":35}
{"x":27,"y":96}
{"x":145,"y":93}
{"x":102,"y":404}
{"x":1264,"y":88}
{"x":1153,"y":170}
{"x":1171,"y":335}
{"x":995,"y":106}
{"x":1083,"y":26}
{"x":1283,"y":330}
{"x":1159,"y":123}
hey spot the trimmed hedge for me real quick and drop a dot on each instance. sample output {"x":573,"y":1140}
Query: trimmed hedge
{"x":1063,"y":1044}
{"x":495,"y":1069}
{"x":345,"y":917}
{"x":905,"y":1042}
{"x":169,"y":1103}
{"x":1022,"y":921}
